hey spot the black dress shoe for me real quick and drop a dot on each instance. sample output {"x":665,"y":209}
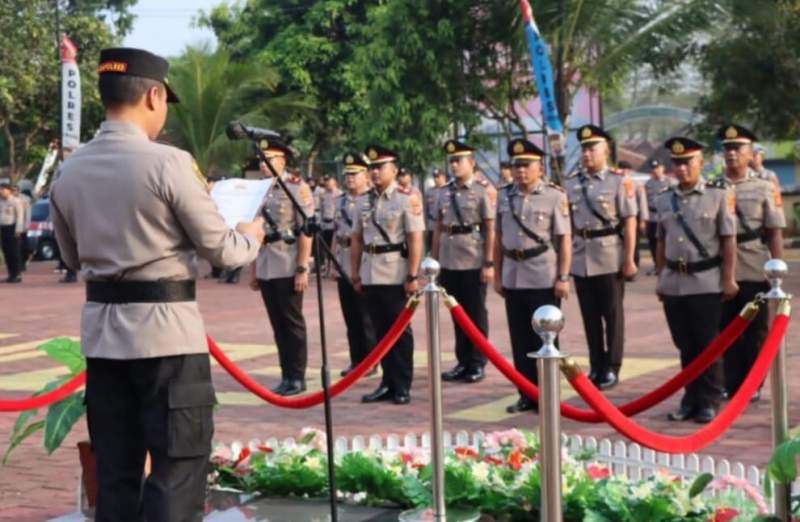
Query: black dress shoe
{"x":474,"y":375}
{"x":293,"y":387}
{"x":684,"y":413}
{"x":705,"y":415}
{"x":522,"y":404}
{"x":69,"y":278}
{"x":350,"y":368}
{"x":17,"y":279}
{"x":593,"y":376}
{"x":347,"y":370}
{"x":607,"y":381}
{"x":402,"y":397}
{"x":281,"y":387}
{"x":381,"y":394}
{"x":726,"y":395}
{"x":456,"y":374}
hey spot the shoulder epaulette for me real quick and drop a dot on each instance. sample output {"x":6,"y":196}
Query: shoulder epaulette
{"x":718,"y":183}
{"x":555,"y":186}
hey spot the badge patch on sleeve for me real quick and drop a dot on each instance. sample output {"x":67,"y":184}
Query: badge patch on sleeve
{"x":306,"y":198}
{"x":630,"y":189}
{"x":564,"y":205}
{"x":416,"y":204}
{"x":731,"y":202}
{"x":778,"y":197}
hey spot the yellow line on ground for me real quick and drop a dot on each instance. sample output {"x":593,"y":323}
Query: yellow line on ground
{"x":7,"y":335}
{"x":495,"y":411}
{"x":21,"y":347}
{"x":33,"y":380}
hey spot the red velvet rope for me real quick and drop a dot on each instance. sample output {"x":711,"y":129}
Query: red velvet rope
{"x":710,"y":432}
{"x":313,"y":399}
{"x":723,"y":341}
{"x":46,"y":399}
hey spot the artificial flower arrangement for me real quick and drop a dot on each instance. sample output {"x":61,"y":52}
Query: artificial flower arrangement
{"x":500,"y":477}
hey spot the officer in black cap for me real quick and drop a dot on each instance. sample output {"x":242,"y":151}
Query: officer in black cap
{"x":133,"y":215}
{"x":506,"y":175}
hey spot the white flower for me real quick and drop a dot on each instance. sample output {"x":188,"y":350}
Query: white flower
{"x":313,"y":463}
{"x":480,"y":472}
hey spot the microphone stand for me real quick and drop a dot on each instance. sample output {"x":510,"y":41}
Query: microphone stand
{"x":311,"y":228}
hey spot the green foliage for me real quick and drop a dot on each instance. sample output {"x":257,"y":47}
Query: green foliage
{"x":61,"y":417}
{"x":700,"y":483}
{"x":66,"y":351}
{"x":359,"y":473}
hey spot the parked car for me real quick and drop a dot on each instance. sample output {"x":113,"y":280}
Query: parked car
{"x":41,"y":237}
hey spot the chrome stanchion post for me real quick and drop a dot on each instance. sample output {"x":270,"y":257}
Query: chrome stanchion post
{"x":775,"y":270}
{"x":548,"y":321}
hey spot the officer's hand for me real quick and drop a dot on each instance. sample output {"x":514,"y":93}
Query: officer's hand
{"x":254,"y":285}
{"x":301,"y":282}
{"x":411,"y":287}
{"x":498,"y":287}
{"x":629,"y":269}
{"x":562,"y":290}
{"x":487,"y":274}
{"x":357,"y":286}
{"x":254,"y":228}
{"x":729,"y":290}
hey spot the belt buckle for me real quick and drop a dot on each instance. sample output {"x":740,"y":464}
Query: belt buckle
{"x":585,"y":233}
{"x":371,"y":249}
{"x":519,"y":255}
{"x":683,"y":267}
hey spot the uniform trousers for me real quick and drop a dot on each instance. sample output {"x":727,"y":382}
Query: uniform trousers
{"x":360,"y":332}
{"x":327,"y":237}
{"x":694,"y":321}
{"x":652,"y":238}
{"x":161,"y":406}
{"x":600,"y":300}
{"x":520,"y":306}
{"x":741,"y":356}
{"x":285,"y":311}
{"x":384,"y":303}
{"x":470,"y":292}
{"x":11,"y":248}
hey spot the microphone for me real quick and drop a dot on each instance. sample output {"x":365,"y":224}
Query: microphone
{"x":237,"y":130}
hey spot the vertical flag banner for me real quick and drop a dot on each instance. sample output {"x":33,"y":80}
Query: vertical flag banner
{"x":542,"y":69}
{"x":70,"y":95}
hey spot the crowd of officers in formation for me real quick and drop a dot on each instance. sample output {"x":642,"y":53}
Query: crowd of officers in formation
{"x":529,"y":239}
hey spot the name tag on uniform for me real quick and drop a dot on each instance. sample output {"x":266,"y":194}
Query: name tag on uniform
{"x":238,"y":200}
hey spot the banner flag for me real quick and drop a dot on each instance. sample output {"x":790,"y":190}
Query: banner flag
{"x":70,"y":95}
{"x":542,"y":70}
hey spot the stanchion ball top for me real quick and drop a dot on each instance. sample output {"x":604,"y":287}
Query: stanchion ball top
{"x":430,"y":267}
{"x":548,"y":319}
{"x":775,"y":268}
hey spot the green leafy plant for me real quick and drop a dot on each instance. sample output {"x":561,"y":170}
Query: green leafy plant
{"x":61,"y":416}
{"x":782,"y":468}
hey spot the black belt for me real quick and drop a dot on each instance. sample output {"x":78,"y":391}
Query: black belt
{"x":586,"y":233}
{"x":327,"y":220}
{"x":751,"y":235}
{"x":682,"y":267}
{"x":344,"y":242}
{"x":274,"y":237}
{"x":118,"y":292}
{"x":518,"y":254}
{"x":455,"y":230}
{"x":652,"y":209}
{"x":383,"y":249}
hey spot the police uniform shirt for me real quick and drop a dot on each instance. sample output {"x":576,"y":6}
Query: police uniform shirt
{"x":278,"y":259}
{"x":709,"y":213}
{"x":12,"y":213}
{"x":545,"y":211}
{"x":125,"y":208}
{"x":327,"y":203}
{"x":641,"y":202}
{"x":431,"y":200}
{"x":347,"y":209}
{"x":653,"y":187}
{"x":399,"y":212}
{"x":768,"y":175}
{"x":27,"y":207}
{"x":760,"y":204}
{"x":614,"y":197}
{"x":476,"y":200}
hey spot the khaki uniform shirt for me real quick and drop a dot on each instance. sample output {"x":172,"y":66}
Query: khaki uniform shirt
{"x":709,"y":213}
{"x":653,"y":187}
{"x":327,"y":210}
{"x":399,"y":212}
{"x":768,"y":175}
{"x":127,"y":208}
{"x":431,"y":199}
{"x":347,"y":214}
{"x":476,"y":200}
{"x":545,"y":211}
{"x":278,"y":259}
{"x":760,"y":204}
{"x":641,"y":203}
{"x":12,"y":212}
{"x":614,"y":197}
{"x":27,"y":205}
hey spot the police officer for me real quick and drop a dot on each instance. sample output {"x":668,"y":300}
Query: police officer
{"x":695,"y":256}
{"x":386,"y":252}
{"x":281,"y":271}
{"x":759,"y":220}
{"x":431,"y":198}
{"x":643,"y":213}
{"x":532,"y":255}
{"x":655,"y":184}
{"x":327,"y":200}
{"x":360,"y":332}
{"x":26,"y":200}
{"x":463,"y":242}
{"x":132,"y":215}
{"x":604,"y":237}
{"x":506,"y":174}
{"x":757,"y":164}
{"x":12,"y":222}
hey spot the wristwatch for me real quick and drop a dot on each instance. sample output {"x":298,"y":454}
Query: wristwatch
{"x":564,"y":278}
{"x":411,"y":278}
{"x":301,"y":269}
{"x":488,"y":264}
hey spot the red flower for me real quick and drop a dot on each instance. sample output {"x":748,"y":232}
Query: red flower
{"x":515,"y":459}
{"x":466,"y":453}
{"x":265,"y":449}
{"x":407,"y":458}
{"x":597,"y":472}
{"x":493,"y":460}
{"x":242,"y":456}
{"x":724,"y":515}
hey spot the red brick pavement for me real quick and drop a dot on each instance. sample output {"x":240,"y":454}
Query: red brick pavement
{"x":34,"y":486}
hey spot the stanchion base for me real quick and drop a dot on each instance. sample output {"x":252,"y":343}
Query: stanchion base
{"x":426,"y":515}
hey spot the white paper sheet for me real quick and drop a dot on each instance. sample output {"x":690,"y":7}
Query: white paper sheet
{"x":238,"y":199}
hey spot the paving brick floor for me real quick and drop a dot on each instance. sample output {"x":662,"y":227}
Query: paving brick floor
{"x":34,"y":486}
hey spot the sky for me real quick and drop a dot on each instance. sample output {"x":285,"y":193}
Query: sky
{"x":165,"y":26}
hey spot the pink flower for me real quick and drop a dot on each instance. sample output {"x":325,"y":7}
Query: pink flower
{"x":222,"y":454}
{"x":597,"y":472}
{"x":724,"y":515}
{"x":514,"y":438}
{"x":728,"y":481}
